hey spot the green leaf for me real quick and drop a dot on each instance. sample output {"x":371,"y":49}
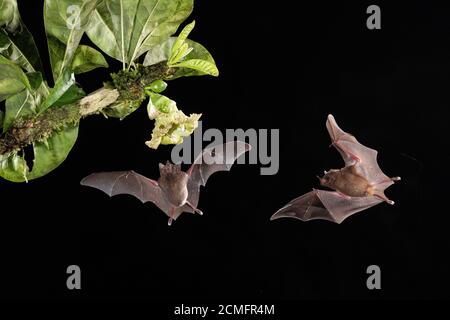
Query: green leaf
{"x":171,"y":124}
{"x":157,"y":86}
{"x":87,"y":59}
{"x":180,"y":41}
{"x":12,"y":79}
{"x":121,"y":109}
{"x":64,"y":92}
{"x":18,"y":106}
{"x":20,"y":48}
{"x":199,"y":65}
{"x":26,"y":102}
{"x":162,"y":53}
{"x":16,"y":42}
{"x":13,"y":167}
{"x":65,"y":24}
{"x":182,"y":52}
{"x":126,"y":29}
{"x":35,"y":79}
{"x":73,"y":94}
{"x":48,"y":155}
{"x":9,"y":14}
{"x":158,"y":104}
{"x":9,"y":87}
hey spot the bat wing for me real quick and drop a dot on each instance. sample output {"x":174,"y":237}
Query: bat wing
{"x":211,"y":160}
{"x":325,"y":205}
{"x":354,"y":153}
{"x":128,"y":182}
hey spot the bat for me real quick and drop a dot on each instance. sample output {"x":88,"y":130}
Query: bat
{"x":359,"y":185}
{"x":175,"y":191}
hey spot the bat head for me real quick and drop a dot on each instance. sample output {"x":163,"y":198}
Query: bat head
{"x":329,"y":178}
{"x":173,"y":182}
{"x":169,"y":169}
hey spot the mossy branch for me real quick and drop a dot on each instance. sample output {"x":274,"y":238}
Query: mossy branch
{"x":128,"y":87}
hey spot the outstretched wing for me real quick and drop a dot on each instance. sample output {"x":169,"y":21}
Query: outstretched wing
{"x":211,"y":160}
{"x":325,"y":205}
{"x":128,"y":182}
{"x":354,"y":153}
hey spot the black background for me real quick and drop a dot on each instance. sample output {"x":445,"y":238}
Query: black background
{"x":283,"y":65}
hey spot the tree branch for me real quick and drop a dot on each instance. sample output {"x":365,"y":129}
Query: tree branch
{"x":127,"y":86}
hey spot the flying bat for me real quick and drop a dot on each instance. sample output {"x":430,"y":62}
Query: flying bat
{"x":175,"y":191}
{"x":357,"y":186}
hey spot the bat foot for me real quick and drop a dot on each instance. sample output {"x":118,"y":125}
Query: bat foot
{"x":200,"y":212}
{"x":196,"y":210}
{"x":384,"y":198}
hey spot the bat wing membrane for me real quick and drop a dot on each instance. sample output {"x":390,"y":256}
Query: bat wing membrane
{"x":128,"y":182}
{"x":211,"y":160}
{"x":341,"y":207}
{"x":306,"y":207}
{"x":352,"y":151}
{"x":325,"y":205}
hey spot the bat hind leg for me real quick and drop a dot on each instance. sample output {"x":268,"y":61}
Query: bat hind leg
{"x":196,"y":210}
{"x":383,"y":197}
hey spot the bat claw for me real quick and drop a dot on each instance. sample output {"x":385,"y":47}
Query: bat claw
{"x":390,"y":202}
{"x":169,"y":223}
{"x":396,"y":178}
{"x":196,"y":210}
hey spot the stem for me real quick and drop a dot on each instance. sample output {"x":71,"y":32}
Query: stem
{"x":98,"y":100}
{"x":26,"y":131}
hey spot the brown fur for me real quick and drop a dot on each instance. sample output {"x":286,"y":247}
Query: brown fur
{"x":346,"y":181}
{"x":173,"y":182}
